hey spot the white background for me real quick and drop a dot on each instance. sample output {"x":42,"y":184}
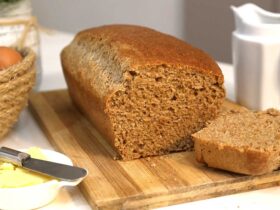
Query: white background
{"x":203,"y":23}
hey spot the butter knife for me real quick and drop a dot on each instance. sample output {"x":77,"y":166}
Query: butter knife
{"x":55,"y":170}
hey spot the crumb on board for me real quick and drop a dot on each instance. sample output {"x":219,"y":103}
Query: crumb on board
{"x":153,"y":165}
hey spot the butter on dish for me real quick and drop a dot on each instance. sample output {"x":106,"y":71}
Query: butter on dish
{"x":13,"y":176}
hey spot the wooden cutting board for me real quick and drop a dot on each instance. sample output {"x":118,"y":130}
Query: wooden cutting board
{"x":137,"y":184}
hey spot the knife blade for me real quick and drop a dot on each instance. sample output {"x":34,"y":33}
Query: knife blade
{"x":56,"y":170}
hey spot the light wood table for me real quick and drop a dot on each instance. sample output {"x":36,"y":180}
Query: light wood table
{"x":27,"y":133}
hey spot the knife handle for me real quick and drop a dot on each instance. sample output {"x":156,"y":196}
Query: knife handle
{"x":13,"y":156}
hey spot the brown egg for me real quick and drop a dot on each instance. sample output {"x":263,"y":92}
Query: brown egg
{"x":8,"y":57}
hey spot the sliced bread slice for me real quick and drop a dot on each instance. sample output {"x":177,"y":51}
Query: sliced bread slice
{"x":246,"y":143}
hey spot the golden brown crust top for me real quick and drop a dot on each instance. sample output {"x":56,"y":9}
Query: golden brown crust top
{"x":144,"y":46}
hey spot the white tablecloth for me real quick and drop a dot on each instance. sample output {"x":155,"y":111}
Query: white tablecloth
{"x":27,"y":133}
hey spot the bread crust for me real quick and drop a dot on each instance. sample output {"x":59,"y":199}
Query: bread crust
{"x":143,"y":46}
{"x":85,"y":99}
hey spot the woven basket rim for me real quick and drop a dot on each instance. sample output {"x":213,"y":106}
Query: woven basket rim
{"x":20,"y":68}
{"x":25,"y":52}
{"x":16,"y":82}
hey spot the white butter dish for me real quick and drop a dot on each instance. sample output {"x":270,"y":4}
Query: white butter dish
{"x":35,"y":196}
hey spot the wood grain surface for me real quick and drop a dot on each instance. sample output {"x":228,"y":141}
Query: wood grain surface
{"x":138,"y":184}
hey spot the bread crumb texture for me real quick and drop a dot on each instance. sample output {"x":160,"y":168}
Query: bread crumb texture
{"x":246,"y":142}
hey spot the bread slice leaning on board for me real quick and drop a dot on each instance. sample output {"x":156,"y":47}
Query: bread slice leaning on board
{"x":146,"y":92}
{"x":246,"y":142}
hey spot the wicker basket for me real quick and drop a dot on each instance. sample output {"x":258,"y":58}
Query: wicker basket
{"x":15,"y":84}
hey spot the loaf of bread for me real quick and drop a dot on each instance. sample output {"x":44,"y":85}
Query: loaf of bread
{"x":146,"y":92}
{"x":246,"y":142}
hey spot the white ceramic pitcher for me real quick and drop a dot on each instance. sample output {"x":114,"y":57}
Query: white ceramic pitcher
{"x":256,"y":57}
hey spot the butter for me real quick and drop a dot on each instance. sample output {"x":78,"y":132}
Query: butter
{"x":13,"y":177}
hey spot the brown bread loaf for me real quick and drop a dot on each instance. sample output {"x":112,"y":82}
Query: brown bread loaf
{"x":246,"y":143}
{"x":145,"y":91}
